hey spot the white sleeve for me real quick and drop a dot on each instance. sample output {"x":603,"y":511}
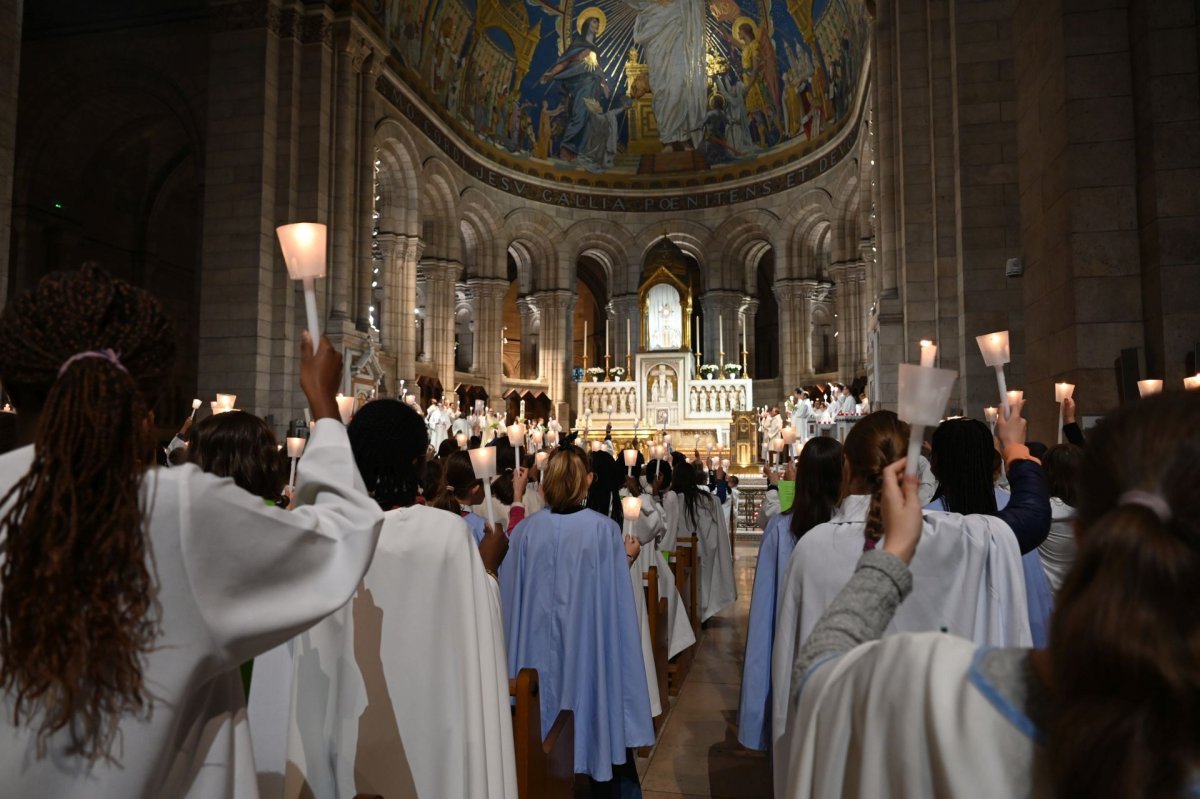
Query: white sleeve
{"x":652,"y":523}
{"x":259,"y":574}
{"x":770,"y":507}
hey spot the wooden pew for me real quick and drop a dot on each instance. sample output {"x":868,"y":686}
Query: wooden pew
{"x":684,"y":563}
{"x":688,"y":553}
{"x":545,"y":769}
{"x":656,"y":611}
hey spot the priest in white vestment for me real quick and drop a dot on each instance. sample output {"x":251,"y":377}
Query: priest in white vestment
{"x":671,"y":35}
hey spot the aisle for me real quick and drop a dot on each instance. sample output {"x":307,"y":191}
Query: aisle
{"x":698,"y":754}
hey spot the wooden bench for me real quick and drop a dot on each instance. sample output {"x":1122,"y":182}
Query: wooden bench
{"x":685,"y":564}
{"x":656,"y":611}
{"x":545,"y":769}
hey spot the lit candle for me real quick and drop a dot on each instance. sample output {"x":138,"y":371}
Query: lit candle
{"x":1148,"y":388}
{"x":721,"y":334}
{"x":990,"y":415}
{"x":1062,"y":391}
{"x":483,"y":461}
{"x":697,"y":335}
{"x":1192,"y":383}
{"x":539,"y":460}
{"x":923,"y":393}
{"x":303,"y":246}
{"x":295,"y":448}
{"x":789,"y":435}
{"x":226,"y":401}
{"x":595,"y":446}
{"x":461,"y":439}
{"x":585,"y":342}
{"x":725,"y":464}
{"x":743,"y":335}
{"x":630,"y":461}
{"x":994,"y":348}
{"x":345,"y":407}
{"x":195,"y":405}
{"x":537,"y":438}
{"x":928,"y":351}
{"x":1013,"y":397}
{"x":552,"y":439}
{"x":631,"y":508}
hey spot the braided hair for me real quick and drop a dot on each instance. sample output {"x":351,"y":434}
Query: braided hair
{"x":78,"y":607}
{"x":876,"y":441}
{"x":390,"y":443}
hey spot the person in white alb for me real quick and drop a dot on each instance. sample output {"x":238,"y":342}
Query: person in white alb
{"x":772,"y":426}
{"x":171,"y":578}
{"x":801,"y":411}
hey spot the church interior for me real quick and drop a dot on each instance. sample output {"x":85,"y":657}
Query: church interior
{"x":692,"y":232}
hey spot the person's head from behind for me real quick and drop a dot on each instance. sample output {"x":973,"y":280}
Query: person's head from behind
{"x":1124,"y":709}
{"x":876,"y":441}
{"x":963,"y":461}
{"x":390,"y":443}
{"x":818,"y":484}
{"x":606,"y":482}
{"x":447,"y":447}
{"x":566,"y":479}
{"x":734,"y":482}
{"x":659,"y":475}
{"x":83,"y":357}
{"x":1061,"y":465}
{"x":240,"y":446}
{"x":460,"y":488}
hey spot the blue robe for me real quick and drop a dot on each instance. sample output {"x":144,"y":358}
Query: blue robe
{"x":568,"y":612}
{"x":477,"y":525}
{"x":579,"y":79}
{"x":754,"y":708}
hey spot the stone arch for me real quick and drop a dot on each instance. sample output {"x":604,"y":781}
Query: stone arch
{"x":439,"y":212}
{"x":743,"y":240}
{"x":399,"y":197}
{"x":845,"y":219}
{"x":691,"y":237}
{"x":481,"y":222}
{"x":811,"y":208}
{"x":607,"y":243}
{"x":531,"y":236}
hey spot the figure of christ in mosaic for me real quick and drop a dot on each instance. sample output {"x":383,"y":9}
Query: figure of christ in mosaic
{"x":671,"y":35}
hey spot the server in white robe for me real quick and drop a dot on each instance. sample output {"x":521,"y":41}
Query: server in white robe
{"x":404,"y":690}
{"x":772,"y":425}
{"x":699,"y":513}
{"x":233,"y":576}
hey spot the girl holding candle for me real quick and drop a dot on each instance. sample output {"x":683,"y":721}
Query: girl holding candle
{"x":165,"y":580}
{"x":569,"y":570}
{"x":460,"y":489}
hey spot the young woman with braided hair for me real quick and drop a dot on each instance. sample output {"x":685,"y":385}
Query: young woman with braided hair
{"x":1109,"y":710}
{"x":130,"y":594}
{"x":445,"y":662}
{"x":970,"y":566}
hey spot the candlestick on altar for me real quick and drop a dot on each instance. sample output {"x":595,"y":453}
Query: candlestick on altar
{"x":1062,"y":391}
{"x":628,"y":341}
{"x":1147,"y":388}
{"x":928,"y":351}
{"x":994,"y":348}
{"x":606,"y":344}
{"x":607,"y":367}
{"x":483,"y":461}
{"x":923,"y":393}
{"x":630,"y":461}
{"x":303,"y":246}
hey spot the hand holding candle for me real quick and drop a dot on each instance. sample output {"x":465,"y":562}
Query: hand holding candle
{"x":994,"y":348}
{"x":295,"y":448}
{"x":630,"y":461}
{"x":483,"y":461}
{"x":195,"y":406}
{"x":303,"y":246}
{"x":1062,"y":391}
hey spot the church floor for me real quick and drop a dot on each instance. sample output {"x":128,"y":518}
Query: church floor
{"x":697,"y":754}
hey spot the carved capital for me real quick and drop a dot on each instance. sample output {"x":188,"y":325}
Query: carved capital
{"x":316,"y":29}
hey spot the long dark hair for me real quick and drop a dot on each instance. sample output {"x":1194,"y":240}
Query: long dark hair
{"x":604,"y":492}
{"x":390,"y":443}
{"x":964,"y":460}
{"x":78,"y":608}
{"x":1124,"y":709}
{"x":241,"y":446}
{"x":658,"y":467}
{"x":818,"y":484}
{"x":458,"y":479}
{"x":1061,"y":465}
{"x":686,"y":483}
{"x":876,"y":441}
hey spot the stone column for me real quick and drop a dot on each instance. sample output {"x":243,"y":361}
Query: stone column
{"x":368,"y":70}
{"x":343,"y":231}
{"x":528,"y":366}
{"x":440,"y":277}
{"x":720,"y":305}
{"x":10,"y":62}
{"x":749,"y":313}
{"x":488,"y":296}
{"x":625,"y":307}
{"x":848,"y":279}
{"x":554,"y":351}
{"x":795,"y":331}
{"x":401,"y":254}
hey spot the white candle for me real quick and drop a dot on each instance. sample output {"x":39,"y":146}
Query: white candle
{"x":994,"y":348}
{"x":928,"y":351}
{"x":990,"y":414}
{"x":585,"y":340}
{"x":303,"y":246}
{"x":1192,"y":383}
{"x":697,"y":335}
{"x":923,"y":393}
{"x":540,"y":459}
{"x":721,"y":334}
{"x":1148,"y":388}
{"x":1013,"y":397}
{"x":628,"y":339}
{"x":789,"y":435}
{"x":345,"y":407}
{"x":631,"y":507}
{"x":630,"y":461}
{"x":605,"y":338}
{"x":595,"y":446}
{"x":744,"y":347}
{"x":226,"y":401}
{"x":725,"y":464}
{"x":483,"y":461}
{"x":1062,"y":391}
{"x":461,"y":439}
{"x":537,"y":438}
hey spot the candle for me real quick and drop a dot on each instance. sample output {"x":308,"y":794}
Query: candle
{"x":195,"y":405}
{"x":631,"y":507}
{"x":552,"y":439}
{"x":295,"y":448}
{"x":539,"y":460}
{"x":725,"y":464}
{"x":994,"y":348}
{"x":628,"y":339}
{"x":303,"y":246}
{"x":345,"y":407}
{"x":696,"y":319}
{"x":721,"y":334}
{"x":928,"y":351}
{"x":630,"y":461}
{"x":714,"y":462}
{"x":990,"y":415}
{"x":595,"y":446}
{"x":1147,"y":388}
{"x":606,"y":338}
{"x":1192,"y":383}
{"x":226,"y":401}
{"x":789,"y":435}
{"x":1013,"y":397}
{"x":483,"y":461}
{"x":537,"y":438}
{"x":923,"y":393}
{"x":585,"y":342}
{"x":743,"y":335}
{"x":461,"y":439}
{"x":1062,"y":391}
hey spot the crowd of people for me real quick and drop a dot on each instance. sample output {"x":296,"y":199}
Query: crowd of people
{"x":1014,"y":621}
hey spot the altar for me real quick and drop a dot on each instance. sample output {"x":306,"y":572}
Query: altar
{"x":666,"y":395}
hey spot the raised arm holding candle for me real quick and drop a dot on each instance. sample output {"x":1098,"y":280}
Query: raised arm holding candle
{"x":303,"y":246}
{"x":483,"y":461}
{"x":515,"y":436}
{"x":1062,"y":391}
{"x":994,"y":348}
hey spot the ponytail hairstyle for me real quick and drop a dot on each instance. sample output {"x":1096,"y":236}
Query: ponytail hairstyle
{"x":964,"y":462}
{"x":818,"y":484}
{"x":241,"y":446}
{"x":458,"y":479}
{"x":876,"y":441}
{"x":78,"y":607}
{"x":390,"y":444}
{"x":1124,"y":705}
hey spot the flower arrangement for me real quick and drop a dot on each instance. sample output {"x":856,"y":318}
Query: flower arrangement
{"x":596,"y":373}
{"x":617,"y":373}
{"x":709,"y":371}
{"x":733,"y":371}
